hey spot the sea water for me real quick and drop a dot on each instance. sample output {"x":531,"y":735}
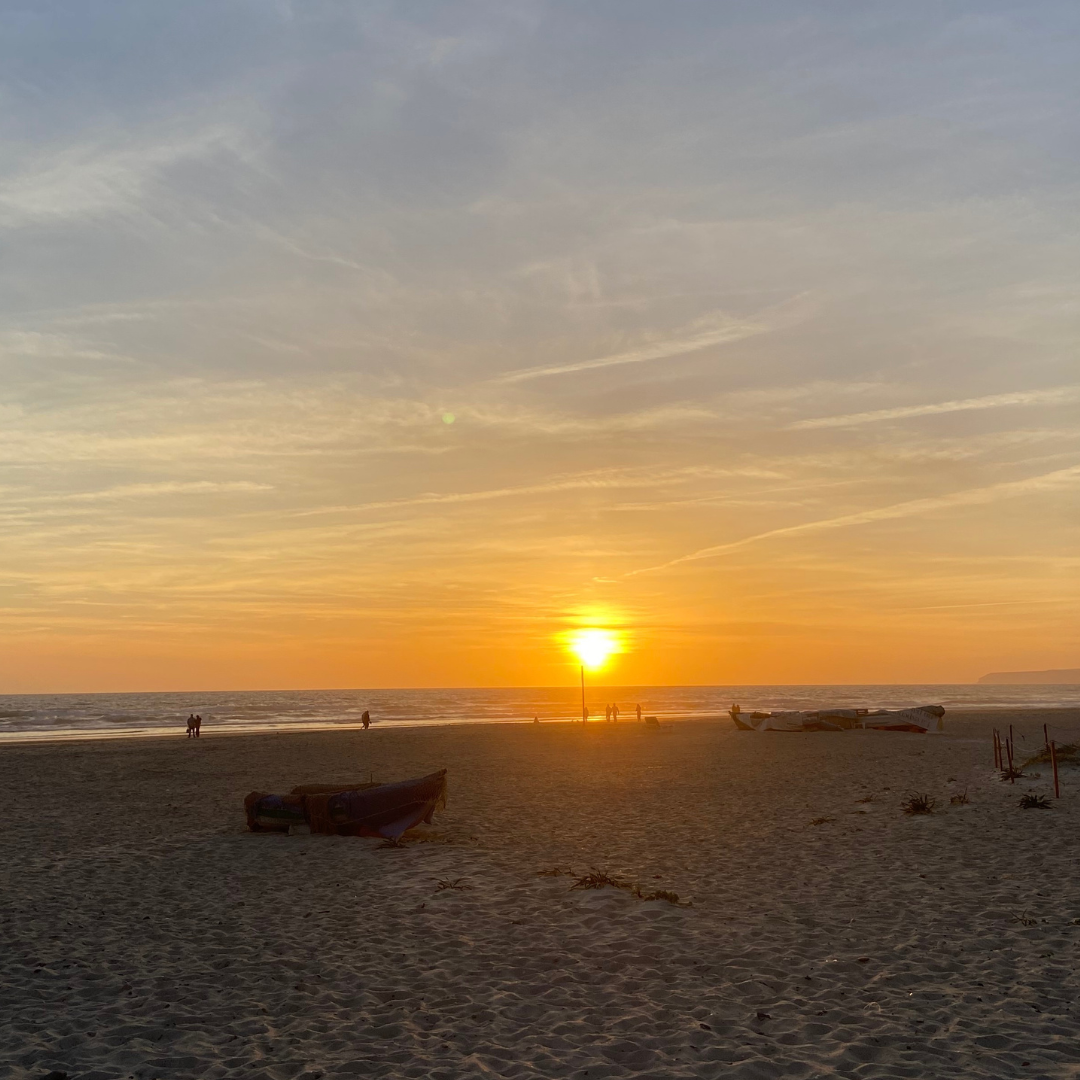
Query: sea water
{"x":78,"y":715}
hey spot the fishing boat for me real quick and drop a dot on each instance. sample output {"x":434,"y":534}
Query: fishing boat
{"x":920,"y":719}
{"x":386,"y":810}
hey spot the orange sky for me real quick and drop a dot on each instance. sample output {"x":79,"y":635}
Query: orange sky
{"x":384,"y":351}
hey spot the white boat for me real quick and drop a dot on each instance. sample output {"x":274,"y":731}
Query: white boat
{"x":920,"y":719}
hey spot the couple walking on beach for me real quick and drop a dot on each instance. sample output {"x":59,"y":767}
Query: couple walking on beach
{"x":194,"y":726}
{"x":611,"y":712}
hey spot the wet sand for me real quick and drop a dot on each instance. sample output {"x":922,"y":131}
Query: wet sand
{"x":147,"y":934}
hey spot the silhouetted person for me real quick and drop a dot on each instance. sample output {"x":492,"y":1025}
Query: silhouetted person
{"x":191,"y":725}
{"x":198,"y":725}
{"x":607,"y":714}
{"x":366,"y":719}
{"x":639,"y":714}
{"x":615,"y":713}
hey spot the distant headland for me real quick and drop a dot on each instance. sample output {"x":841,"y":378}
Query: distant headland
{"x":1060,"y":675}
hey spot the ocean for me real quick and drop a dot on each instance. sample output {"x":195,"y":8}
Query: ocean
{"x":79,"y":715}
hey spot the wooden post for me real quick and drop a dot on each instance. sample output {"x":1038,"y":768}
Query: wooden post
{"x":1046,"y":738}
{"x":997,"y":750}
{"x":1053,"y":761}
{"x":1008,"y":746}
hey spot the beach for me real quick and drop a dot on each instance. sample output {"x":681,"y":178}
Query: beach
{"x":820,"y":931}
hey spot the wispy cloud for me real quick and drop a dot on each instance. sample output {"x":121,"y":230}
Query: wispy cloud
{"x":173,"y":487}
{"x":598,"y":479}
{"x":912,"y":508}
{"x":715,"y":330}
{"x":1056,"y":396}
{"x":94,"y":178}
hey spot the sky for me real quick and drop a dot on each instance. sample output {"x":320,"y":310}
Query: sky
{"x":384,"y":344}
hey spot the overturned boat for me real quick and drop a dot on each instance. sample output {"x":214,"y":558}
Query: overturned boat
{"x":920,"y":719}
{"x":386,"y":810}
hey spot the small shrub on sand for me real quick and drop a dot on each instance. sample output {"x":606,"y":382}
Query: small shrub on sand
{"x":919,"y":804}
{"x":1012,"y":774}
{"x":959,"y":800}
{"x":1034,"y":802}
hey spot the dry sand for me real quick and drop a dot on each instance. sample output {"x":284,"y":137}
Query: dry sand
{"x":146,"y":934}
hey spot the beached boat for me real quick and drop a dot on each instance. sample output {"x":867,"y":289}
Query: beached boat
{"x":386,"y":810}
{"x":920,"y":719}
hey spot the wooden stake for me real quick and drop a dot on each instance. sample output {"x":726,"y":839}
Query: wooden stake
{"x":1008,"y":746}
{"x":1053,"y":761}
{"x":997,"y":750}
{"x":1046,"y":738}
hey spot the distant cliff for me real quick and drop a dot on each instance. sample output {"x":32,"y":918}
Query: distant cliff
{"x":1061,"y":675}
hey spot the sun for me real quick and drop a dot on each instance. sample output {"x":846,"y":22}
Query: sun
{"x":593,"y":646}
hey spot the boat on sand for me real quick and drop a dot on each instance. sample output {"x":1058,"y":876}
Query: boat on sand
{"x":920,"y":719}
{"x":386,"y":810}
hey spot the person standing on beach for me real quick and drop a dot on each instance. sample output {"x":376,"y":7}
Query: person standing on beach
{"x":196,"y":725}
{"x":615,"y":713}
{"x":639,"y":714}
{"x":366,"y":719}
{"x":607,"y":714}
{"x":190,"y":725}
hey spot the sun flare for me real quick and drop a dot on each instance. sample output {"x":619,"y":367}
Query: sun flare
{"x":593,"y":647}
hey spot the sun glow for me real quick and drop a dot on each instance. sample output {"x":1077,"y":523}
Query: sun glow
{"x":593,"y":647}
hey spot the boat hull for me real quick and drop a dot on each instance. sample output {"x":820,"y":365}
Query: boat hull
{"x":386,"y":810}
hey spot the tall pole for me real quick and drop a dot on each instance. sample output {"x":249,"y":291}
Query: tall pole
{"x":584,"y":714}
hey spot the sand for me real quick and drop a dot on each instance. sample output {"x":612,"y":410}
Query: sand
{"x":147,"y":934}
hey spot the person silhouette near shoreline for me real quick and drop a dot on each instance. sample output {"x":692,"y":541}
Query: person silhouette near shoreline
{"x":191,"y":725}
{"x":366,"y":719}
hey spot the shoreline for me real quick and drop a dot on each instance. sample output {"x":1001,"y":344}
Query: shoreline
{"x":73,"y":735}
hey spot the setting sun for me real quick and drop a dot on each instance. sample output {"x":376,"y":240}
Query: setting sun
{"x":593,"y":647}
